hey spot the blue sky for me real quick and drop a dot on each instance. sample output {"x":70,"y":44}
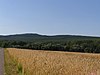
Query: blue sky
{"x":50,"y":17}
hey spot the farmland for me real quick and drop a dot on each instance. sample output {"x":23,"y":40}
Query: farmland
{"x":39,"y":62}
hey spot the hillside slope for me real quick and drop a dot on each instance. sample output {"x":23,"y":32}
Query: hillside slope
{"x":34,"y":37}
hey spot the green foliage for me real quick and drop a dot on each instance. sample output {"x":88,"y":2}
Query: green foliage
{"x":20,"y":69}
{"x":54,"y":43}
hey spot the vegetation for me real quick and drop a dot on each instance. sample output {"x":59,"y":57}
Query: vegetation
{"x":31,"y":59}
{"x":53,"y":43}
{"x":56,"y":63}
{"x":20,"y":69}
{"x":12,"y":67}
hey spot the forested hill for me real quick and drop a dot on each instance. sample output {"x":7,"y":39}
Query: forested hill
{"x":71,"y":43}
{"x":37,"y":37}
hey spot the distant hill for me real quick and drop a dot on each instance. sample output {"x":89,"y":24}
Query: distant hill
{"x":71,"y":43}
{"x":37,"y":37}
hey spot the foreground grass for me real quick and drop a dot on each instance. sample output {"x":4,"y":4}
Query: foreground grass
{"x":11,"y":66}
{"x":56,"y":63}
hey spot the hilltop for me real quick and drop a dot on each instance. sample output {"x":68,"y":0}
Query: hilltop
{"x":34,"y":37}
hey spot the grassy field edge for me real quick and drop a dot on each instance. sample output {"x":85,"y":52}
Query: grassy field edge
{"x":11,"y":66}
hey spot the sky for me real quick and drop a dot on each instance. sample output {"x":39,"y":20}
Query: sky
{"x":50,"y":17}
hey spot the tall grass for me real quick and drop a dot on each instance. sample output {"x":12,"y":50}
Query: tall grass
{"x":12,"y":67}
{"x":56,"y":63}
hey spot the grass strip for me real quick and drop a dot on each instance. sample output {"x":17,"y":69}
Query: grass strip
{"x":10,"y":65}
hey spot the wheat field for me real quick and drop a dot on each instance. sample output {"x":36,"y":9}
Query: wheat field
{"x":38,"y":62}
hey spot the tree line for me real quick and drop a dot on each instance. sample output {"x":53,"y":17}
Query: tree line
{"x":87,"y":46}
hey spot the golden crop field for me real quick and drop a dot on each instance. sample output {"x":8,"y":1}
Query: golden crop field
{"x":37,"y":62}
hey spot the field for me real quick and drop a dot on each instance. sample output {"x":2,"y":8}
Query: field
{"x":35,"y":62}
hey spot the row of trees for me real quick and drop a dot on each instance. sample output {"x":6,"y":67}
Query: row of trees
{"x":88,"y":46}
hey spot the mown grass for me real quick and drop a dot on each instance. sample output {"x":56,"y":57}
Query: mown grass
{"x":11,"y":66}
{"x":56,"y":63}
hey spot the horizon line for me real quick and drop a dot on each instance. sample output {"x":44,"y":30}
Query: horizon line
{"x":49,"y":34}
